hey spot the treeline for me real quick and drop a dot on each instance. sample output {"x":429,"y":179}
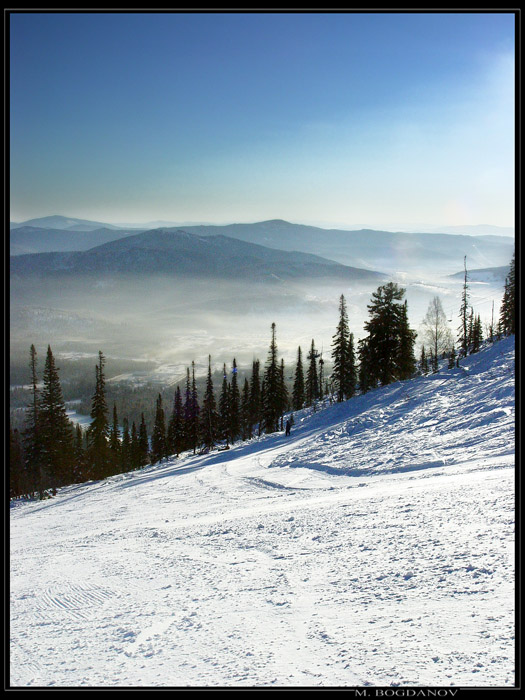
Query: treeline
{"x":51,"y":452}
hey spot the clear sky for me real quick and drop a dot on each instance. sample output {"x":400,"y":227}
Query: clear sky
{"x":329,"y":119}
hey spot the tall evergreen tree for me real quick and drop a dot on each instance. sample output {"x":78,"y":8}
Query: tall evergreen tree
{"x":312,"y":381}
{"x":224,"y":408}
{"x":135,"y":447}
{"x":114,"y":442}
{"x":158,"y":437}
{"x":477,"y":334}
{"x":235,"y":406}
{"x":340,"y":354}
{"x":463,"y":338}
{"x":255,"y":398}
{"x":246,"y":432}
{"x":508,"y":303}
{"x":31,"y":438}
{"x":367,"y":379}
{"x":192,"y":422}
{"x":452,"y":358}
{"x":209,"y":417}
{"x":298,"y":393}
{"x":272,"y":381}
{"x":143,"y":442}
{"x":55,"y":428}
{"x":98,"y":432}
{"x":17,"y":481}
{"x":283,"y":393}
{"x":389,"y":338}
{"x":176,"y":427}
{"x":423,"y":362}
{"x":406,"y":360}
{"x":79,"y":468}
{"x":352,"y":368}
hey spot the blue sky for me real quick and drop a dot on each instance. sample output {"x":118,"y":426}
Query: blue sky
{"x":329,"y":119}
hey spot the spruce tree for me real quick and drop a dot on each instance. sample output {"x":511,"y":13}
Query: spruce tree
{"x":452,"y":358}
{"x":406,"y":360}
{"x":176,"y":435}
{"x":298,"y":395}
{"x":158,"y":437}
{"x":235,"y":406}
{"x":143,"y":442}
{"x":255,"y":398}
{"x":463,"y":339}
{"x":508,"y":303}
{"x":55,"y":428}
{"x":312,"y":381}
{"x":366,"y":379}
{"x":340,"y":354}
{"x":224,"y":408}
{"x":98,"y":432}
{"x":209,"y":415}
{"x":477,"y":334}
{"x":31,"y":439}
{"x":283,"y":393}
{"x":272,"y":381}
{"x":352,"y":368}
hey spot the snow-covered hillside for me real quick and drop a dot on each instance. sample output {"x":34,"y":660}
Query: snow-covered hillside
{"x":375,"y":546}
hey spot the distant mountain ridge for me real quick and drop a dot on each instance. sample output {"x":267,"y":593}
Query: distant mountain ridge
{"x":182,"y":253}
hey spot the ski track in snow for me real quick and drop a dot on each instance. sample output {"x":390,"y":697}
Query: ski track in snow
{"x":375,"y":546}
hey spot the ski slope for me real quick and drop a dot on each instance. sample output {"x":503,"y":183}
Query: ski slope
{"x":373,"y":547}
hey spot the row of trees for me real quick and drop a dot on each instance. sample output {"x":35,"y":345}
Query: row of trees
{"x":51,"y":452}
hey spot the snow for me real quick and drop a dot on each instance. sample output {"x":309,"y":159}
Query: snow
{"x":375,"y":546}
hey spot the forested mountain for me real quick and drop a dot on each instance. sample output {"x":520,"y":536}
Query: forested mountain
{"x":33,"y":239}
{"x":181,"y":253}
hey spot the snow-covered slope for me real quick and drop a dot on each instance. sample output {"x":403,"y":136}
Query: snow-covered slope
{"x":374,"y":546}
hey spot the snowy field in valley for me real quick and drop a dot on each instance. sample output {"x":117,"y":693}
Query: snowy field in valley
{"x":373,"y":547}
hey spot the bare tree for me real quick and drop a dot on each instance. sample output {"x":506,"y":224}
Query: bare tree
{"x":436,"y":332}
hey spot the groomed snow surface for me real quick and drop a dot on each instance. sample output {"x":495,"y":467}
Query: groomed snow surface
{"x":373,"y":547}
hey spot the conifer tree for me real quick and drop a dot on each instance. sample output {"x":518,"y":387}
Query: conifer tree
{"x":143,"y":442}
{"x":98,"y":432}
{"x":158,"y":437}
{"x":452,"y":358}
{"x":366,"y":380}
{"x":125,"y":451}
{"x":235,"y":406}
{"x":463,"y":339}
{"x":176,"y":436}
{"x":255,"y":398}
{"x":17,"y":482}
{"x":312,"y":382}
{"x":340,"y":354}
{"x":135,"y":448}
{"x":246,"y":432}
{"x":224,"y":408}
{"x":114,"y":442}
{"x":55,"y":428}
{"x":31,"y":439}
{"x":272,"y":399}
{"x":283,"y":393}
{"x":79,"y":458}
{"x":406,"y":360}
{"x":192,"y":423}
{"x":352,"y":368}
{"x":423,"y":362}
{"x":298,"y":395}
{"x":477,"y":334}
{"x":508,"y":303}
{"x":209,"y":415}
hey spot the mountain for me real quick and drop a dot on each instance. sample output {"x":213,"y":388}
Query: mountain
{"x":374,"y":250}
{"x":374,"y":547}
{"x":31,"y":239}
{"x":63,"y":223}
{"x":180,"y":253}
{"x":489,"y":275}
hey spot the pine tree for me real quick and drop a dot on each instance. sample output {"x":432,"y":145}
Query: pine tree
{"x":390,"y":341}
{"x":283,"y":393}
{"x":98,"y":432}
{"x":143,"y":442}
{"x":255,"y":398}
{"x":366,"y":379}
{"x":114,"y":442}
{"x":312,"y":381}
{"x":508,"y":303}
{"x":423,"y":362}
{"x":298,"y":395}
{"x":246,"y":432}
{"x":463,"y":339}
{"x":209,"y":417}
{"x":192,"y":423}
{"x":224,"y":408}
{"x":176,"y":436}
{"x":31,"y":438}
{"x":158,"y":437}
{"x":134,"y":447}
{"x":452,"y":358}
{"x":55,"y":429}
{"x":477,"y":334}
{"x":79,"y":456}
{"x":235,"y":406}
{"x":340,"y":354}
{"x":271,"y":405}
{"x":352,"y":368}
